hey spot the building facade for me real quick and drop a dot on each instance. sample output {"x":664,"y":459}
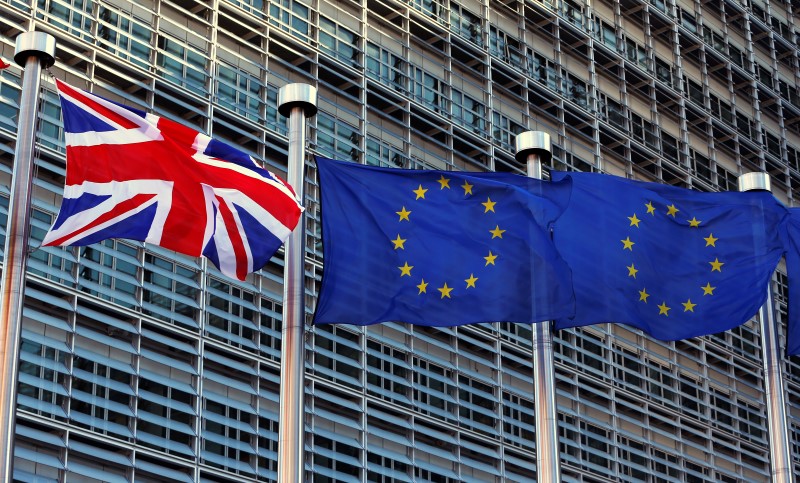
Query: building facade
{"x":138,"y":364}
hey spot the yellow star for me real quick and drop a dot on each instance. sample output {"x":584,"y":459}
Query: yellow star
{"x":420,"y":192}
{"x":663,"y":309}
{"x":710,"y":241}
{"x":497,"y":232}
{"x":405,"y":269}
{"x":694,"y":222}
{"x":471,"y":281}
{"x":445,"y":291}
{"x":651,"y":210}
{"x":632,"y":271}
{"x":708,"y":289}
{"x":490,"y":259}
{"x":423,"y":287}
{"x":671,"y":210}
{"x":688,"y":306}
{"x":403,"y":214}
{"x":643,"y":295}
{"x":716,"y":265}
{"x":627,"y":244}
{"x":467,"y":188}
{"x":445,"y":182}
{"x":489,"y":205}
{"x":634,"y":221}
{"x":398,"y":242}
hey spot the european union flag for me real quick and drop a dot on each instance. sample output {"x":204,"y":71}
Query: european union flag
{"x":673,"y":262}
{"x":793,"y":268}
{"x":438,"y":248}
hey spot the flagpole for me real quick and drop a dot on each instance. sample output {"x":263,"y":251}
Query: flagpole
{"x":33,"y":51}
{"x":297,"y":102}
{"x":533,"y":147}
{"x":780,"y":456}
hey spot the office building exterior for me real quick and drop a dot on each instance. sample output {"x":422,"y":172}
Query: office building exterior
{"x":138,"y":364}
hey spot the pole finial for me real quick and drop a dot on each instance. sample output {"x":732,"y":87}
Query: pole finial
{"x":754,"y":181}
{"x":40,"y":44}
{"x":297,"y":95}
{"x":533,"y":142}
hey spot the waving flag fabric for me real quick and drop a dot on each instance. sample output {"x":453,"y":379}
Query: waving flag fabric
{"x":792,"y":243}
{"x":673,"y":262}
{"x":4,"y":64}
{"x":135,"y":175}
{"x":437,"y":248}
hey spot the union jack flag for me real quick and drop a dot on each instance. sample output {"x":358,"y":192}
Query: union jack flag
{"x":4,"y":64}
{"x":135,"y":175}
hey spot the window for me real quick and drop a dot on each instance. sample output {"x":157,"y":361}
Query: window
{"x":660,"y":382}
{"x":465,"y":24}
{"x":636,"y":53}
{"x":231,"y":315}
{"x":505,"y":130}
{"x":336,"y":139}
{"x":504,"y":46}
{"x":477,"y":408}
{"x":182,"y":64}
{"x":428,"y":90}
{"x":240,"y":92}
{"x":433,"y":389}
{"x":337,"y":355}
{"x":290,"y":16}
{"x":381,"y":153}
{"x":518,"y":420}
{"x":701,"y":165}
{"x":688,"y":20}
{"x":612,"y":112}
{"x":606,"y":34}
{"x":721,"y":409}
{"x":468,"y":112}
{"x":109,"y":270}
{"x":594,"y":446}
{"x":170,"y":291}
{"x":73,"y":16}
{"x":543,"y":70}
{"x":126,"y":37}
{"x":338,"y":42}
{"x":576,"y":91}
{"x":387,"y":373}
{"x":627,"y":367}
{"x":386,"y":67}
{"x":665,"y":72}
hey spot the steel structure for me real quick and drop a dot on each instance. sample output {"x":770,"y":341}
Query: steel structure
{"x":137,"y":364}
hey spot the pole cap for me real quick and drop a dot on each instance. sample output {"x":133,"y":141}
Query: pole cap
{"x":754,"y":181}
{"x":40,"y":44}
{"x":533,"y":142}
{"x":297,"y":95}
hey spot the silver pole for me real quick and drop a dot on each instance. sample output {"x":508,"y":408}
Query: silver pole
{"x":780,"y":455}
{"x":33,"y":50}
{"x":297,"y":102}
{"x":533,"y":147}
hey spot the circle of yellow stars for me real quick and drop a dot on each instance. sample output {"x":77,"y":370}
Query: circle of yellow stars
{"x":715,"y":265}
{"x":399,"y":243}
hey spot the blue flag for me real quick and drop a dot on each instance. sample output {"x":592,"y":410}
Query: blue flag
{"x":672,"y":262}
{"x":793,"y":268}
{"x":438,"y":248}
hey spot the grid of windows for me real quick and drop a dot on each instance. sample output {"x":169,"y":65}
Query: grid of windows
{"x":138,"y":364}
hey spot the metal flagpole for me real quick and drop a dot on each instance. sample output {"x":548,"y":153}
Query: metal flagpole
{"x":533,"y":147}
{"x":33,"y":51}
{"x":297,"y":102}
{"x":780,"y":456}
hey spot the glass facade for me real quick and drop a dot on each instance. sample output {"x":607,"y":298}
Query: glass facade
{"x":138,"y":364}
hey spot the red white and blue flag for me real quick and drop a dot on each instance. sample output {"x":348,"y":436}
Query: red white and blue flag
{"x":138,"y":176}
